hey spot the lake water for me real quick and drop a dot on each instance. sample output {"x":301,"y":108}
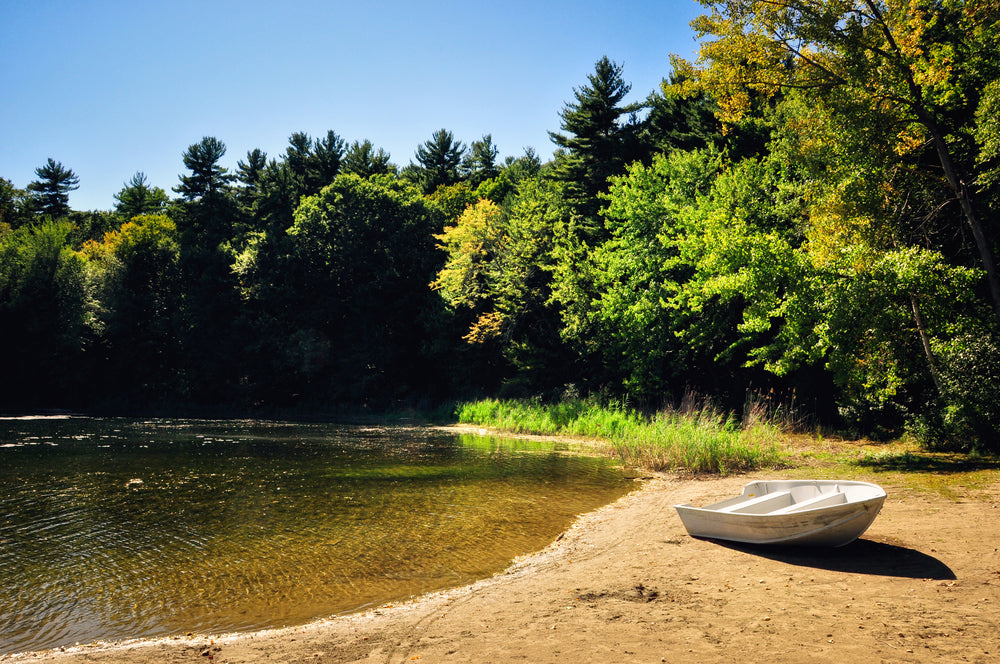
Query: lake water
{"x":114,"y":529}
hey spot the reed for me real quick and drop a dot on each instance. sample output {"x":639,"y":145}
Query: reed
{"x":695,"y":438}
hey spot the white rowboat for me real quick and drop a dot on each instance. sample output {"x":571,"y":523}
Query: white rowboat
{"x":810,"y":512}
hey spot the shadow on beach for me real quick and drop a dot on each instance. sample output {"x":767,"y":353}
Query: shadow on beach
{"x":862,"y":556}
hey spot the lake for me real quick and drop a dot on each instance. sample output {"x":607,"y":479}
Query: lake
{"x":114,"y":528}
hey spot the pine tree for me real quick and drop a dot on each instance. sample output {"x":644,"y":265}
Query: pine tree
{"x":210,"y":295}
{"x":207,"y":178}
{"x":297,"y":157}
{"x":679,"y":122}
{"x":597,"y":143}
{"x":325,"y":164}
{"x":251,"y":175}
{"x":248,"y":172}
{"x":51,"y":189}
{"x":313,"y":164}
{"x":440,"y":158}
{"x":362,"y":158}
{"x":137,"y":198}
{"x":481,"y":161}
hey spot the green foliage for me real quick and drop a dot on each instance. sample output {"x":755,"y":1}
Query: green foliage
{"x":502,"y":187}
{"x":327,"y":155}
{"x":298,"y":158}
{"x":806,"y":208}
{"x":869,"y":326}
{"x":987,"y":134}
{"x":675,"y":122}
{"x":689,"y":247}
{"x":352,"y":285}
{"x":473,"y":245}
{"x":497,"y":189}
{"x":14,"y":205}
{"x":970,"y":417}
{"x":207,"y":221}
{"x":272,"y":189}
{"x":874,"y":115}
{"x":272,"y":201}
{"x":313,"y":164}
{"x":499,"y":274}
{"x":527,"y":166}
{"x":42,"y":314}
{"x":453,"y":199}
{"x":525,"y":315}
{"x":134,"y":275}
{"x":91,"y":225}
{"x":883,"y":76}
{"x":250,"y":174}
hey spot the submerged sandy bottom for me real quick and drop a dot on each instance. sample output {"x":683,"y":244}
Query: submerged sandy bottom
{"x":626,"y":584}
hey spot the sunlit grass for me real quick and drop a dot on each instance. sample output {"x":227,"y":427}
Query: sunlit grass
{"x":698,"y":440}
{"x":901,"y":464}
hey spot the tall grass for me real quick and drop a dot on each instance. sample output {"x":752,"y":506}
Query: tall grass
{"x":695,"y":438}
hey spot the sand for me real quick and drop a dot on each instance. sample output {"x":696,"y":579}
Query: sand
{"x":627,"y":584}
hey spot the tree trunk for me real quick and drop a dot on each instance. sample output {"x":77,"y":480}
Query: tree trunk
{"x":925,"y":340}
{"x":958,"y":186}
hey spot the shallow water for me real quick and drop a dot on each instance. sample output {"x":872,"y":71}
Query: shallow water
{"x":113,"y":529}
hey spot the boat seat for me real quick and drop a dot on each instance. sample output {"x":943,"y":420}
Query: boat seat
{"x":760,"y":504}
{"x":822,"y":500}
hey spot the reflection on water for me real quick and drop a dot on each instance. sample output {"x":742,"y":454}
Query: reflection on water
{"x":115,"y":528}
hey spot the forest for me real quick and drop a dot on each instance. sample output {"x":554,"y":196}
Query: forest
{"x":806,"y":211}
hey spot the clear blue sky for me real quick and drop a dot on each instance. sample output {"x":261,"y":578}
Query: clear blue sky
{"x":111,"y":88}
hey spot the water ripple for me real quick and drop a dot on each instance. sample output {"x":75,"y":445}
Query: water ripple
{"x":118,"y":529}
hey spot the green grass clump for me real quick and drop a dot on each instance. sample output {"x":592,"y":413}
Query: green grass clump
{"x":695,"y":441}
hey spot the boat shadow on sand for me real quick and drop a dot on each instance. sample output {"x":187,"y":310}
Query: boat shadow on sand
{"x":862,"y":556}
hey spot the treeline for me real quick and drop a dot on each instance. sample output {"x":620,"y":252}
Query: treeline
{"x":808,"y":212}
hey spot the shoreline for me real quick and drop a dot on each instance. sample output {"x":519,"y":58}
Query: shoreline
{"x":521,"y":566}
{"x":625,"y":583}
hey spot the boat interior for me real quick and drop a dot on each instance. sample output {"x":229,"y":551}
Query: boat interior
{"x":795,"y":499}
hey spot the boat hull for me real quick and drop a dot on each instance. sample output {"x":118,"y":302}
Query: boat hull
{"x":791,"y":512}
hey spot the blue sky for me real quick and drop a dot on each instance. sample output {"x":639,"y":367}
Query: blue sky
{"x":111,"y":88}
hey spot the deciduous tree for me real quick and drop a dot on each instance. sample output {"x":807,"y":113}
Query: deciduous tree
{"x":472,"y":244}
{"x":920,"y":66}
{"x":361,"y":253}
{"x":14,"y":204}
{"x":135,"y":274}
{"x":43,"y":307}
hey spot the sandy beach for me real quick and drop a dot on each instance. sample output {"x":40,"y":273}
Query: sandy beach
{"x":627,"y":584}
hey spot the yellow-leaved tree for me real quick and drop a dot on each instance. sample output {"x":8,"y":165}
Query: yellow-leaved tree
{"x":883,"y":84}
{"x":885,"y":106}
